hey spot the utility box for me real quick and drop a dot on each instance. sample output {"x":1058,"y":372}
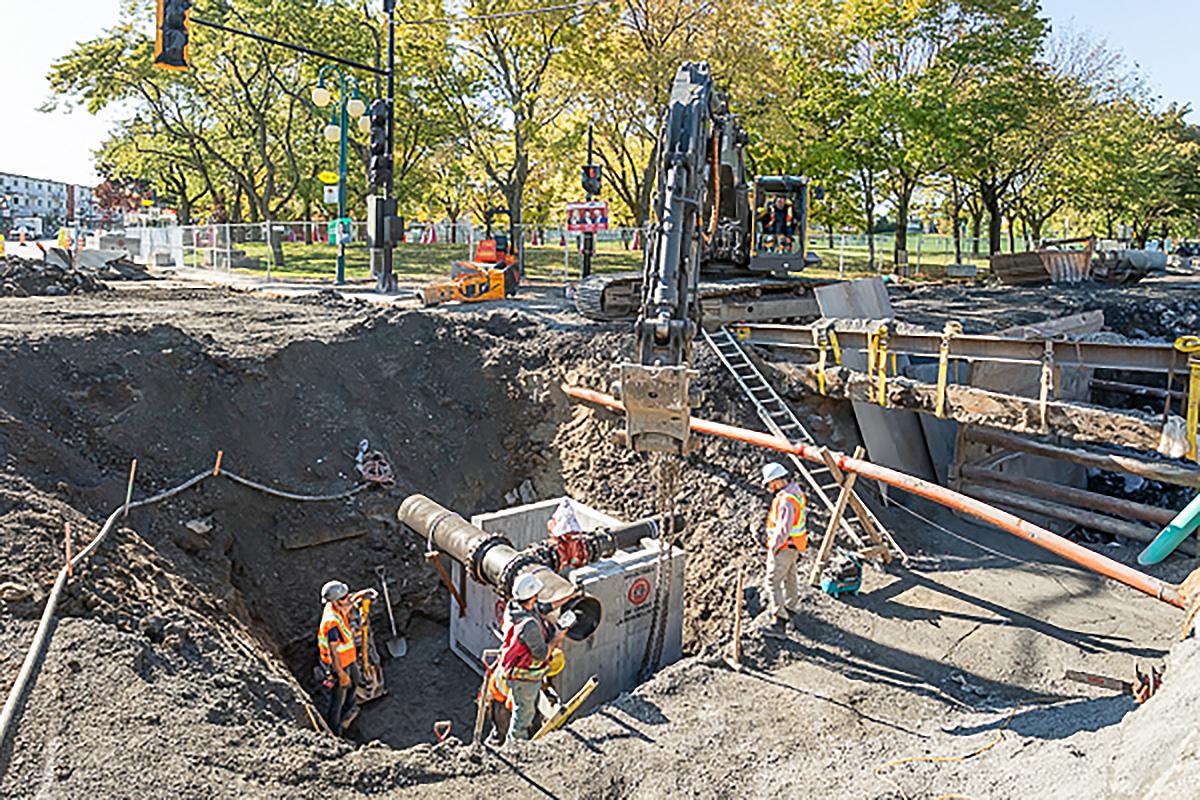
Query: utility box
{"x":625,"y":585}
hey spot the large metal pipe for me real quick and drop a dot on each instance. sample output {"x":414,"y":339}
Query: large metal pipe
{"x":1168,"y":593}
{"x":491,"y":559}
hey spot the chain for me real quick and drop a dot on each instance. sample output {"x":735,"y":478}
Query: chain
{"x":668,"y":471}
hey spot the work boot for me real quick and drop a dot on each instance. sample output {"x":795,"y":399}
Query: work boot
{"x":350,"y":716}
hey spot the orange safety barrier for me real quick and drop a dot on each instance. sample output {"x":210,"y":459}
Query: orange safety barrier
{"x":1089,"y":559}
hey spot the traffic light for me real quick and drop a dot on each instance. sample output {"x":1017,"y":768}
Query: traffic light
{"x":379,"y":168}
{"x":171,"y":34}
{"x":591,"y":179}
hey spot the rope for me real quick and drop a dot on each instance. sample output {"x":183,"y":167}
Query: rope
{"x":42,"y":635}
{"x":944,"y":759}
{"x":954,"y":535}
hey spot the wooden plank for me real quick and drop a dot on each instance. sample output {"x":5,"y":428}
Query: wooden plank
{"x":866,"y":517}
{"x":564,"y":713}
{"x":1069,"y":494}
{"x":1079,"y":516}
{"x":736,"y":659}
{"x":299,"y":540}
{"x":1110,"y":462}
{"x":835,"y":519}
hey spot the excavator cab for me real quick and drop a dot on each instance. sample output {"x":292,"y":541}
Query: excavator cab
{"x":779,"y":206}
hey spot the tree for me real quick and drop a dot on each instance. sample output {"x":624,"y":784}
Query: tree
{"x":502,"y":91}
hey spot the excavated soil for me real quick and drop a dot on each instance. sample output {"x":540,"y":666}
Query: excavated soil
{"x":182,"y":655}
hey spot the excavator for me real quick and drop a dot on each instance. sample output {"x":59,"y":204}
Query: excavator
{"x":743,"y":237}
{"x":493,"y":274}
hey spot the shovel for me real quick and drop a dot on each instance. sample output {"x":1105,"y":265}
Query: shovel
{"x":397,"y":645}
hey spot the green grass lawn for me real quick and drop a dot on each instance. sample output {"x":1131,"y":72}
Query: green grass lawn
{"x":423,"y":262}
{"x":419,"y":262}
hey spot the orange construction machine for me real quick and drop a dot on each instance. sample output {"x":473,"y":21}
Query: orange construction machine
{"x":492,"y":275}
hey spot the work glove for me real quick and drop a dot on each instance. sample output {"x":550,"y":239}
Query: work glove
{"x":343,"y":679}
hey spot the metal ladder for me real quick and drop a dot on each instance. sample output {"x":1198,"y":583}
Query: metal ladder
{"x":780,"y":421}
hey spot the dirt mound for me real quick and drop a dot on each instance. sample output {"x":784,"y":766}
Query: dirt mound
{"x":23,"y":278}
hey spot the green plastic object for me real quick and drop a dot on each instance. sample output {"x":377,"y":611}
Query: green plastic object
{"x":344,"y":225}
{"x":1170,"y":537}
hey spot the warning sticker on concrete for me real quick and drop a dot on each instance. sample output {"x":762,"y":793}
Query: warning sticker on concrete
{"x":638,"y":589}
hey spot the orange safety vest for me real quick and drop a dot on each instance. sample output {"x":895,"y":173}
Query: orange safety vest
{"x":516,"y":661}
{"x":798,"y":535}
{"x":347,"y":653}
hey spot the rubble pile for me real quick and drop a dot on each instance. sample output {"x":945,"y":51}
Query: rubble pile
{"x":23,"y":278}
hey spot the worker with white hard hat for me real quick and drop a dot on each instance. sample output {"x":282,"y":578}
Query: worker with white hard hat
{"x":786,"y":540}
{"x":525,"y":653}
{"x":338,"y":652}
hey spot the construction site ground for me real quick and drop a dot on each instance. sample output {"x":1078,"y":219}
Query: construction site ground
{"x":184,"y":648}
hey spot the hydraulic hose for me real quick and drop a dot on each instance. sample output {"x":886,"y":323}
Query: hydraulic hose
{"x":1010,"y":523}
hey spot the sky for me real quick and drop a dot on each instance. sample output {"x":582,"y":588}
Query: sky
{"x":1158,"y":35}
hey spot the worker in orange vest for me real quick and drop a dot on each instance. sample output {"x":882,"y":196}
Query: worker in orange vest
{"x":529,"y":642}
{"x":339,"y":654}
{"x":786,"y":540}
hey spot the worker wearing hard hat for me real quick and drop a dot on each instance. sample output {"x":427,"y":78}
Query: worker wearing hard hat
{"x":339,"y":654}
{"x":787,"y":539}
{"x":525,"y":653}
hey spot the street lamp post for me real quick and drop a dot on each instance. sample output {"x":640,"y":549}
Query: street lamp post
{"x":349,"y":105}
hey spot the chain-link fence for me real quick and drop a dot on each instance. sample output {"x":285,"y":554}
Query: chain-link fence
{"x":307,"y":250}
{"x":928,"y":254}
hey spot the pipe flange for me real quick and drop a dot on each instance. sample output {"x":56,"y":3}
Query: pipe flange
{"x":478,"y":550}
{"x":511,"y":569}
{"x":544,"y":552}
{"x":601,"y":544}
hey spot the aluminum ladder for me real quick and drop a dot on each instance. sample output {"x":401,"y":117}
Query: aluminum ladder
{"x":780,"y":421}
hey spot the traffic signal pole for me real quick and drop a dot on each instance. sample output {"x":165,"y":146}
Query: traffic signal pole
{"x":387,"y":280}
{"x":381,"y":213}
{"x":589,"y":239}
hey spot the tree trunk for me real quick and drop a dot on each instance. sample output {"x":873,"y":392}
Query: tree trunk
{"x":956,"y":210}
{"x":903,"y":198}
{"x":868,"y":186}
{"x":1035,"y":231}
{"x":991,"y":202}
{"x":976,"y":229}
{"x":1012,"y":240}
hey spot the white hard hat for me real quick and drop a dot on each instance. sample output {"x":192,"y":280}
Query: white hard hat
{"x":526,"y":586}
{"x":773,"y":472}
{"x":334,"y":590}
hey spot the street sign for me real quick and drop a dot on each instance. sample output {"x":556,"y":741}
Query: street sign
{"x":587,"y":217}
{"x":331,"y":194}
{"x":327,"y":177}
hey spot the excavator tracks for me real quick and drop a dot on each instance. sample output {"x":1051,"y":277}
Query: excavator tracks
{"x":618,"y":296}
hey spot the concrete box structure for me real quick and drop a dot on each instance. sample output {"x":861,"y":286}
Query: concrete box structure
{"x":624,"y":584}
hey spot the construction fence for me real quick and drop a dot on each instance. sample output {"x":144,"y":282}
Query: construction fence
{"x":306,"y":250}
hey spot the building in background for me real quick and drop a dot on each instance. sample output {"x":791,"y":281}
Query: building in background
{"x":53,"y":202}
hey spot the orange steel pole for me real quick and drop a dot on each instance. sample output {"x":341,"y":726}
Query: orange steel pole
{"x":1167,"y":592}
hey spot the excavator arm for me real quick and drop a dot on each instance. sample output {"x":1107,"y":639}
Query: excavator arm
{"x":698,"y":143}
